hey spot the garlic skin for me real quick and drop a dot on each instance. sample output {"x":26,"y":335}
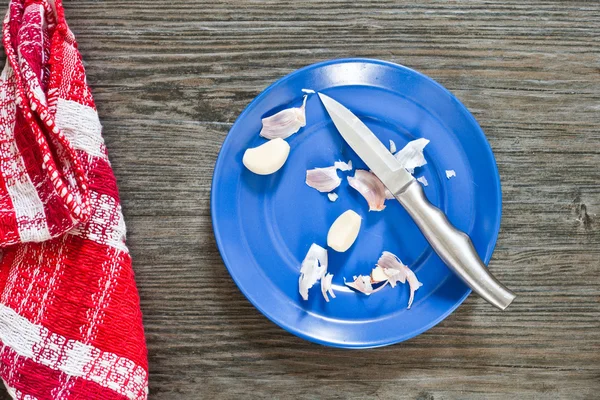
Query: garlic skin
{"x":344,"y":230}
{"x":370,"y":187}
{"x":389,"y":262}
{"x":392,"y":147}
{"x":362,"y":283}
{"x":267,"y":158}
{"x":423,"y":180}
{"x":332,"y":196}
{"x":323,"y":179}
{"x":314,"y":267}
{"x":414,"y":284}
{"x":450,"y":173}
{"x":326,"y":287}
{"x":343,"y":166}
{"x":285,"y":123}
{"x":411,"y":156}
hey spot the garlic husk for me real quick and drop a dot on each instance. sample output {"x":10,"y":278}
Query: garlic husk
{"x":423,"y":180}
{"x":314,"y":267}
{"x":309,"y":91}
{"x":343,"y":166}
{"x":390,"y":262}
{"x":362,"y":283}
{"x":411,"y":156}
{"x":285,"y":123}
{"x":267,"y":158}
{"x":323,"y":179}
{"x":392,"y":147}
{"x":326,"y":286}
{"x":343,"y":231}
{"x":370,"y":187}
{"x":450,"y":173}
{"x":332,"y":196}
{"x":414,"y":285}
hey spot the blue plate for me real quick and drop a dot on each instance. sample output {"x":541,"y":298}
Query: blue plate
{"x":264,"y":225}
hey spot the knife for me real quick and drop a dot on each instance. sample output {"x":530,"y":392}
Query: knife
{"x":453,"y":246}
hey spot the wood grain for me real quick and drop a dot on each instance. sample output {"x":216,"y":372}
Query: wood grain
{"x":169,"y":78}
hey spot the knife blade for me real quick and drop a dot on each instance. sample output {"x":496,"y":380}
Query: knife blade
{"x":453,"y":246}
{"x":368,"y":147}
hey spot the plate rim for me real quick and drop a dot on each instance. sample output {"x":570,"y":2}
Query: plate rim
{"x":219,"y":161}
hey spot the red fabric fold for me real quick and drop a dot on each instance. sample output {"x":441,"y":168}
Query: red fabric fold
{"x":70,"y":320}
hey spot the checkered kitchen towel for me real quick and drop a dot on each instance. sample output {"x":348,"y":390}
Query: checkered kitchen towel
{"x":70,"y":321}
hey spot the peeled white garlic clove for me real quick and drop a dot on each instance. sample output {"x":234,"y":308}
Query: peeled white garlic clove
{"x":332,"y":196}
{"x":450,"y":173}
{"x":314,"y":267}
{"x":285,"y":123}
{"x":326,"y":287}
{"x":378,"y":275}
{"x":343,"y":231}
{"x":370,"y":187}
{"x":362,"y":283}
{"x":423,"y":180}
{"x":323,"y":179}
{"x":267,"y":158}
{"x":411,"y":156}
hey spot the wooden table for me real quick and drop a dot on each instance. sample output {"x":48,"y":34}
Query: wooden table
{"x":170,"y":77}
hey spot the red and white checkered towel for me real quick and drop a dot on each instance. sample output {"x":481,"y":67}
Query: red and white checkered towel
{"x":70,"y":321}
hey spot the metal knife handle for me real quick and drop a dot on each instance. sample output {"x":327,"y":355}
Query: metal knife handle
{"x":453,"y":246}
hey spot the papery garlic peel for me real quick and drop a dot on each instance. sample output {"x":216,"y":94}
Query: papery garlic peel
{"x":326,"y":286}
{"x":285,"y":123}
{"x":323,"y":179}
{"x":370,"y":187}
{"x":411,"y":156}
{"x":314,"y":267}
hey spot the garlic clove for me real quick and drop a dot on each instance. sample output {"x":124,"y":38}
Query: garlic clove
{"x":267,"y":158}
{"x":370,"y":187}
{"x":378,"y":275}
{"x":323,"y":179}
{"x":285,"y":123}
{"x":343,"y":231}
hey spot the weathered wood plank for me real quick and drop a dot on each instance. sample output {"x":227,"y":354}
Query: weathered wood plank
{"x":170,"y":78}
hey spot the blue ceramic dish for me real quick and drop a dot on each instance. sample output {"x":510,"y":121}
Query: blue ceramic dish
{"x":264,"y":225}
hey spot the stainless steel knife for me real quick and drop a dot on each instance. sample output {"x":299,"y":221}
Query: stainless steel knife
{"x":453,"y":246}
